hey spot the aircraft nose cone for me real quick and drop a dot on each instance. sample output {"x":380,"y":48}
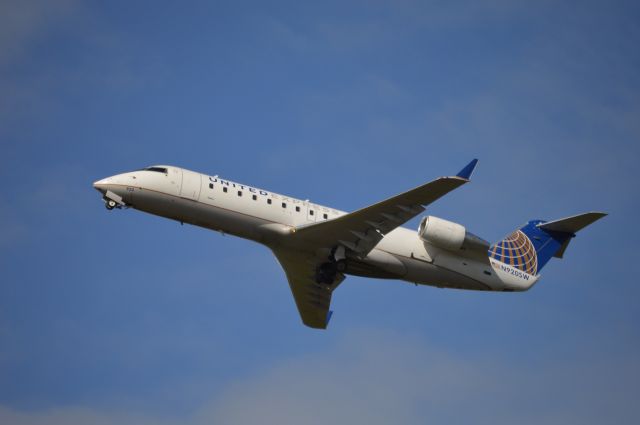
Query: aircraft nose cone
{"x":101,"y":185}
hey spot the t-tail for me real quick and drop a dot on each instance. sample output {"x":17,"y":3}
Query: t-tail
{"x":519,"y":257}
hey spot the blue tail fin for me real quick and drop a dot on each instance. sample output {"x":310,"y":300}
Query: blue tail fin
{"x":532,"y":246}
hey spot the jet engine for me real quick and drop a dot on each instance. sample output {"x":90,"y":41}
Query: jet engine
{"x":450,"y":236}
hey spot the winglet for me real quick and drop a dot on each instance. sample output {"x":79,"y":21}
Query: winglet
{"x":466,"y":172}
{"x":329,"y":314}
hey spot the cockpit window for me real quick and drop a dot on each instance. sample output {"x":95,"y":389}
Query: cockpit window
{"x":156,"y":169}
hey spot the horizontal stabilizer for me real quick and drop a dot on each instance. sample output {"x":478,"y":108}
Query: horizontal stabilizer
{"x":572,"y":224}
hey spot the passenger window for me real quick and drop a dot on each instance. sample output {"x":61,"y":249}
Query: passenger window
{"x":224,"y":189}
{"x":324,"y":216}
{"x":284,"y":205}
{"x":310,"y":212}
{"x":254,"y":197}
{"x":210,"y":185}
{"x":269,"y":201}
{"x":297,"y":209}
{"x":239,"y":193}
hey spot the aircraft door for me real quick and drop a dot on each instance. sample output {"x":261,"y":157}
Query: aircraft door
{"x":191,"y":184}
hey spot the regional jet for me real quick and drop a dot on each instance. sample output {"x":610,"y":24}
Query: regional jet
{"x":318,"y":246}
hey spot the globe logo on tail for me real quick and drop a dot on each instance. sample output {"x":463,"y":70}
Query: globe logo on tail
{"x":517,"y":251}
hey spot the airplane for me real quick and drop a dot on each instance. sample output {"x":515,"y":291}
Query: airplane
{"x":318,"y":246}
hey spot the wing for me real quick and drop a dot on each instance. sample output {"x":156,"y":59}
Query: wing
{"x":312,"y":298}
{"x":361,"y":230}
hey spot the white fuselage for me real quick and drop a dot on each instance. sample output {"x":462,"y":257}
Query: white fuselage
{"x":269,"y":218}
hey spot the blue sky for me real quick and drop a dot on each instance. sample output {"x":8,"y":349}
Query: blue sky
{"x":124,"y":318}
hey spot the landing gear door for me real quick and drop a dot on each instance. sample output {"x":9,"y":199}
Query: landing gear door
{"x":191,"y":184}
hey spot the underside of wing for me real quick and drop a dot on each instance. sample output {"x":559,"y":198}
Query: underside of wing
{"x":313,"y":299}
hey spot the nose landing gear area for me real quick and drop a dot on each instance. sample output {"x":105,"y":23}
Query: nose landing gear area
{"x":111,"y":201}
{"x":110,"y":204}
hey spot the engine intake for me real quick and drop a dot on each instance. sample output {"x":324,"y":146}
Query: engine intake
{"x":449,"y":235}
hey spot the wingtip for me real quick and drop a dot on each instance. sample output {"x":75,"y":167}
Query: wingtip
{"x":329,"y":314}
{"x":467,"y":171}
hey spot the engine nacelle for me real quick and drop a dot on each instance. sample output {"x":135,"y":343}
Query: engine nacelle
{"x":450,"y":236}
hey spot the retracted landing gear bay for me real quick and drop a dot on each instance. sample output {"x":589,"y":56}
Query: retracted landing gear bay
{"x":328,"y":272}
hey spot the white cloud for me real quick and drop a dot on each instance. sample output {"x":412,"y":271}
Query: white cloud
{"x":374,"y":377}
{"x":72,"y":416}
{"x":371,"y":378}
{"x":377,"y":377}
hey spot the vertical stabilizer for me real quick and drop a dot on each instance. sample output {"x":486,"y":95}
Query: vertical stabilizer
{"x":529,"y":248}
